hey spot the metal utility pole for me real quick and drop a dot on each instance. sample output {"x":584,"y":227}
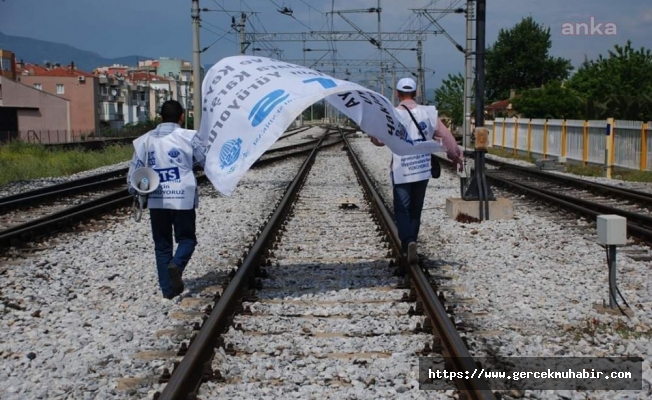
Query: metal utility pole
{"x":187,"y":95}
{"x":479,"y":188}
{"x":394,"y":84}
{"x":468,"y":79}
{"x":382,"y":71}
{"x":243,"y":42}
{"x":420,"y":85}
{"x":196,"y":66}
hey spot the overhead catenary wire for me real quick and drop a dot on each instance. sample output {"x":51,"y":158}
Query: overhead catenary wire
{"x":389,"y":59}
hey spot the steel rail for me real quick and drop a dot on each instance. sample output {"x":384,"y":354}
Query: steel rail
{"x":628,"y":194}
{"x":187,"y":377}
{"x":264,"y":161}
{"x":64,"y":185}
{"x":589,"y":209}
{"x":53,"y":222}
{"x":19,"y":200}
{"x":294,"y":146}
{"x":294,"y":132}
{"x":18,"y":203}
{"x":583,"y":207}
{"x":455,"y":350}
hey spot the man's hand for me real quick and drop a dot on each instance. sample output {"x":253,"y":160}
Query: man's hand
{"x":459,"y":164}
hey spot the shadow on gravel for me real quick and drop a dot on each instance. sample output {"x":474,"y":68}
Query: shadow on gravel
{"x":197,"y":285}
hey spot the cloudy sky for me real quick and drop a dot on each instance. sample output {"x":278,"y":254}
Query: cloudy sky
{"x":157,"y":28}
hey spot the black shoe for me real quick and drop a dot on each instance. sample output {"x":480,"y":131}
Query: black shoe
{"x":412,"y":256}
{"x":175,"y":279}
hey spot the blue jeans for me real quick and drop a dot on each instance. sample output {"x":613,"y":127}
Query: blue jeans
{"x":408,"y":203}
{"x":163,"y":222}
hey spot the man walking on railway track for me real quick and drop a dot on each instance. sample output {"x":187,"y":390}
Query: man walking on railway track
{"x":172,"y":152}
{"x":410,"y":174}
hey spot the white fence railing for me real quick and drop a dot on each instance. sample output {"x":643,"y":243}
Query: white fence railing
{"x":625,"y":144}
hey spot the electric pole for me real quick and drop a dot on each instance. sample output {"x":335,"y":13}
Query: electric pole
{"x":243,"y":43}
{"x":469,"y":78}
{"x":394,"y":84}
{"x":421,"y":96}
{"x":380,"y":49}
{"x":479,"y":189}
{"x":196,"y":67}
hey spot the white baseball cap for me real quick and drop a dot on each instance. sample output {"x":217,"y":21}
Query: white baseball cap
{"x":406,"y":85}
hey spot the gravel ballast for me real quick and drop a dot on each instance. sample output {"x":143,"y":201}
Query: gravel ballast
{"x":73,"y":317}
{"x":531,"y":283}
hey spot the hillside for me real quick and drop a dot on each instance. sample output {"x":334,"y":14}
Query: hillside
{"x":39,"y":51}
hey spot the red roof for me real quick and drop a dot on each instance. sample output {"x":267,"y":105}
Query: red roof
{"x":500,"y":105}
{"x":65,"y":72}
{"x":32,"y":69}
{"x":144,"y":76}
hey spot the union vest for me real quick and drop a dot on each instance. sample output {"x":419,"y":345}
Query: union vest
{"x":414,"y":168}
{"x":172,"y":157}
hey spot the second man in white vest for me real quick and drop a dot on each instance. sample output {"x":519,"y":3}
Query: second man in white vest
{"x":410,"y":174}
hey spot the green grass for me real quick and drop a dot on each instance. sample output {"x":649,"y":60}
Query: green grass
{"x":510,"y":154}
{"x":583,"y":170}
{"x":22,"y":161}
{"x":617,"y":173}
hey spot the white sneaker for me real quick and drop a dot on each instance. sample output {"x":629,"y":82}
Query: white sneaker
{"x":412,"y":256}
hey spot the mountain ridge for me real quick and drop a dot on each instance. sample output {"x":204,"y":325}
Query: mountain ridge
{"x":40,"y":51}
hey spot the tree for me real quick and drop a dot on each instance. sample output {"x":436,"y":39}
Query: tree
{"x":554,"y":101}
{"x":519,"y":60}
{"x":618,"y":86}
{"x":449,"y":98}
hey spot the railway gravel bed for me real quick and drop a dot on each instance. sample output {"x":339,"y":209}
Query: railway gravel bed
{"x":72,"y":317}
{"x":529,"y":284}
{"x":328,"y":322}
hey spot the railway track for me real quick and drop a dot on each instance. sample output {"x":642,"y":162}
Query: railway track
{"x":301,"y":318}
{"x":582,"y":197}
{"x":28,"y":216}
{"x":94,"y":182}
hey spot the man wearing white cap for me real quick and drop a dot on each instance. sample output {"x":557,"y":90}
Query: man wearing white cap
{"x":410,"y":174}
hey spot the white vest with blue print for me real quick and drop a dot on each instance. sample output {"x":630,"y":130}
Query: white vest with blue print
{"x":414,"y":168}
{"x":172,"y":157}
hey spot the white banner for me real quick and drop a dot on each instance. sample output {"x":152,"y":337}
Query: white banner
{"x":249,"y":101}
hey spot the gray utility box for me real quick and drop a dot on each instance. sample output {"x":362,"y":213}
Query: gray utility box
{"x":612,"y":229}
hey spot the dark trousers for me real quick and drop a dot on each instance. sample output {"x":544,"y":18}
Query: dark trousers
{"x":408,"y":203}
{"x":164,"y":222}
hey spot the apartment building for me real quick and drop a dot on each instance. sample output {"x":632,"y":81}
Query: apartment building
{"x":160,"y":90}
{"x":179,"y":72}
{"x":8,"y":64}
{"x":79,"y":87}
{"x":135,"y":94}
{"x":27,"y":113}
{"x":80,"y":103}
